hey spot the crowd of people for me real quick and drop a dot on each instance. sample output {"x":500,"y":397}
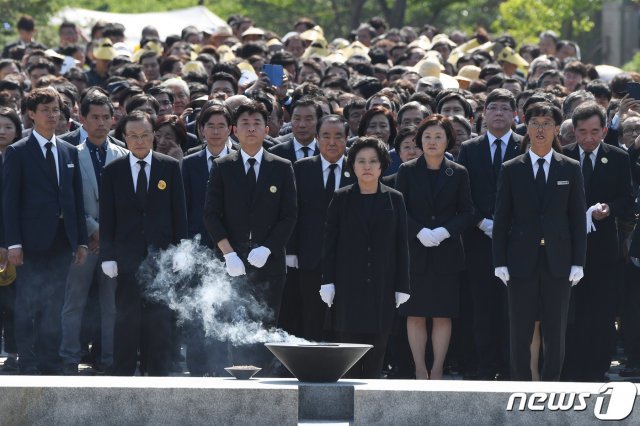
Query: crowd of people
{"x":460,"y":202}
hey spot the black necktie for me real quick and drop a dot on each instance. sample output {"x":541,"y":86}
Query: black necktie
{"x":251,"y":175}
{"x":541,"y":181}
{"x":211,"y":160}
{"x":141,"y":186}
{"x":51,"y":163}
{"x":497,"y":157}
{"x":587,"y":170}
{"x":306,"y":150}
{"x":330,"y":188}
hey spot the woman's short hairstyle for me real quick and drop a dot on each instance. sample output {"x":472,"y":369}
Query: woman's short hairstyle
{"x":176,"y":124}
{"x":437,"y":120}
{"x":404,"y":133}
{"x":362,"y":142}
{"x":369,"y":114}
{"x":13,"y":116}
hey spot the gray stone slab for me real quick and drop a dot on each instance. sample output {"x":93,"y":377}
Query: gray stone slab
{"x":326,"y":401}
{"x":145,"y":401}
{"x":401,"y":402}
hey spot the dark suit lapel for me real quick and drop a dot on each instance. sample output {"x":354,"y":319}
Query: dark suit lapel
{"x":125,"y":173}
{"x":552,"y":179}
{"x":423,"y":177}
{"x":266,"y":167}
{"x":63,"y":163}
{"x":444,"y":177}
{"x":485,"y":157}
{"x":528,"y":180}
{"x":513,"y":149}
{"x":347,"y":177}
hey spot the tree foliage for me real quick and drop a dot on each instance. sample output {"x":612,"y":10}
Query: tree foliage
{"x":526,"y":19}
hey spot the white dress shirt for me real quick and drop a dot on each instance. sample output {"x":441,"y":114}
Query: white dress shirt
{"x":256,"y":166}
{"x":547,"y":163}
{"x":225,"y":151}
{"x":135,"y":169}
{"x":297,"y":146}
{"x":54,"y":149}
{"x":492,"y":147}
{"x":594,"y":155}
{"x":326,"y":170}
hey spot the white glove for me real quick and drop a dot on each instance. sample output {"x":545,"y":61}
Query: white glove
{"x":503,"y":273}
{"x":441,"y":234}
{"x":486,"y":226}
{"x":427,"y":238}
{"x":590,"y":225}
{"x":292,"y":261}
{"x":258,"y":256}
{"x":180,"y":261}
{"x":327,"y":293}
{"x":235,"y":267}
{"x":110,"y":268}
{"x":401,"y":298}
{"x":576,"y":274}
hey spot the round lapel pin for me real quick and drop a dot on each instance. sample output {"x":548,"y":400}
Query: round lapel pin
{"x":604,"y":160}
{"x":162,"y":185}
{"x":273,"y":189}
{"x":347,"y":174}
{"x":448,"y":171}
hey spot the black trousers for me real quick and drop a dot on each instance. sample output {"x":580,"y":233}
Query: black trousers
{"x":314,"y":310}
{"x":40,"y":291}
{"x":7,"y":310}
{"x":261,"y":300}
{"x":591,"y":333}
{"x":631,"y":315}
{"x":290,"y":316}
{"x":370,"y":365}
{"x":542,"y":296}
{"x":140,"y":323}
{"x":490,"y":315}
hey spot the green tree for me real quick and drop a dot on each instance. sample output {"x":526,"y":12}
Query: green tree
{"x":526,"y":19}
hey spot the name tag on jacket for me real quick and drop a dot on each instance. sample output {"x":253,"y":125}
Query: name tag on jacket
{"x":70,"y":165}
{"x":563,"y":182}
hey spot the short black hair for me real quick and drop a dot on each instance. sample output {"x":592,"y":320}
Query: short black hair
{"x":161,"y":90}
{"x":308,"y":101}
{"x":141,"y":99}
{"x":379,"y":146}
{"x":136,"y":115}
{"x":405,"y":132}
{"x":224,"y":76}
{"x":599,"y":88}
{"x":501,"y":95}
{"x":95,"y":98}
{"x":355,"y":103}
{"x":437,"y":120}
{"x":587,"y":110}
{"x":543,"y":109}
{"x":251,"y":107}
{"x":220,"y":109}
{"x":43,"y":95}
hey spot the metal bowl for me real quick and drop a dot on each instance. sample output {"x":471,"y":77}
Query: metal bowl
{"x":318,"y":362}
{"x":243,"y":372}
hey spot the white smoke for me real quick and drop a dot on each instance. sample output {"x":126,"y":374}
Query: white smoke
{"x":203,"y":291}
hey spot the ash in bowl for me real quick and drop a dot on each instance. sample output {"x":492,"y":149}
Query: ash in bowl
{"x":243,"y":372}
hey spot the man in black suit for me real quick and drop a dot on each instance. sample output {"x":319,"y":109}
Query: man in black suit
{"x":607,"y":187}
{"x":214,"y":126}
{"x":483,"y":157}
{"x":317,"y":178}
{"x":301,"y":142}
{"x":44,"y":224}
{"x":250,"y":212}
{"x":539,"y":242}
{"x":142,"y":211}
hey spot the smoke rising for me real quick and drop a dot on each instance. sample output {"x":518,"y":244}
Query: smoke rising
{"x":204,"y":291}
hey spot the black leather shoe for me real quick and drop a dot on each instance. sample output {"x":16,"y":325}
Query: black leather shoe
{"x":630,"y":371}
{"x":70,"y":369}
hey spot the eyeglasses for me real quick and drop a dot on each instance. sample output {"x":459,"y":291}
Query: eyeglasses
{"x":544,"y":126}
{"x":631,"y":130}
{"x":47,"y":111}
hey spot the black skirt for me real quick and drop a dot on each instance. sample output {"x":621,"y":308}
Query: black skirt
{"x":433,"y":296}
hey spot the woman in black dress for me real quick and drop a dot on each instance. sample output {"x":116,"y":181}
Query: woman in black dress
{"x":438,"y":199}
{"x":366,"y":257}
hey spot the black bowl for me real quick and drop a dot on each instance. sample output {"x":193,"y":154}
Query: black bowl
{"x":318,"y":362}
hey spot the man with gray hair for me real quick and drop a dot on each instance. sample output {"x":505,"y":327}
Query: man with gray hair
{"x":567,"y":135}
{"x":573,"y":100}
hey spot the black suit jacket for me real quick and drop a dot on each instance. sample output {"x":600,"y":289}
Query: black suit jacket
{"x":521,"y":219}
{"x":449,"y":206}
{"x":195,"y":174}
{"x":475,"y":156}
{"x":128,"y":231}
{"x":307,"y":239}
{"x":366,"y":256}
{"x":73,"y":138}
{"x":32,"y":203}
{"x":267,"y":219}
{"x":611,"y":184}
{"x":287,"y":151}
